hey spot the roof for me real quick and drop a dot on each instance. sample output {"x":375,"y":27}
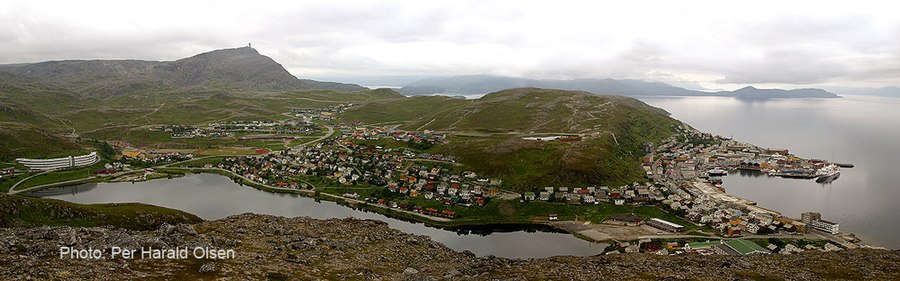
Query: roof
{"x":675,"y":225}
{"x":745,"y":247}
{"x":727,"y":250}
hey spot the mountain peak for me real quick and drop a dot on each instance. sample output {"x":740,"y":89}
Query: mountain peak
{"x":242,"y":68}
{"x":240,"y":51}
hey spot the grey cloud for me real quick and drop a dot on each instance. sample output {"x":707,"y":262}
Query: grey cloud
{"x":389,"y":38}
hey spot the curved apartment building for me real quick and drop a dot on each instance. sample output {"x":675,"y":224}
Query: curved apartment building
{"x":59,"y":163}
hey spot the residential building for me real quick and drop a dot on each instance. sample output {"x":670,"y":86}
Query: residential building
{"x":826,"y":226}
{"x":808,"y":217}
{"x":60,"y":163}
{"x":528,"y":196}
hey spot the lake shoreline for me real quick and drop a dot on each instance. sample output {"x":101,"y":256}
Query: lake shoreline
{"x":448,"y":225}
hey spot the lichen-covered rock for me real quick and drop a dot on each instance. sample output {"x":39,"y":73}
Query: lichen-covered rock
{"x":268,"y":247}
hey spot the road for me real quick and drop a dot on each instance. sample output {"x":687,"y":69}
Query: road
{"x":36,"y":187}
{"x":327,"y":135}
{"x":13,"y":187}
{"x":310,"y":192}
{"x":13,"y":191}
{"x":432,"y":161}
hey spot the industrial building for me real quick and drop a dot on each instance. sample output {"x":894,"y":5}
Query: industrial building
{"x":665,"y":225}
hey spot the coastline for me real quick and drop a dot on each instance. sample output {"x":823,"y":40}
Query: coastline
{"x":459,"y":226}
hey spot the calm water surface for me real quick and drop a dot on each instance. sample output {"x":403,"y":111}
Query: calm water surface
{"x":862,"y":130}
{"x":214,"y":197}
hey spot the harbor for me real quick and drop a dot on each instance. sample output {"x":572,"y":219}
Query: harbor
{"x":691,"y":166}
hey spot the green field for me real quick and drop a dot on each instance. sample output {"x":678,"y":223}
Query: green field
{"x":6,"y":182}
{"x":202,"y":162}
{"x":60,"y":176}
{"x":225,"y":151}
{"x":35,"y":131}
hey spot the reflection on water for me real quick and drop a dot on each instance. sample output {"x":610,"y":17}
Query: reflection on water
{"x":213,"y":197}
{"x":855,"y":129}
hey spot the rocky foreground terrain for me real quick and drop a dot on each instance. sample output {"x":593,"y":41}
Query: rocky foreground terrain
{"x":277,"y":248}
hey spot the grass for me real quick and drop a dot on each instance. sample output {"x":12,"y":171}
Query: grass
{"x":226,"y":151}
{"x":60,"y":176}
{"x":6,"y":182}
{"x":486,"y":134}
{"x":20,"y":211}
{"x":202,"y":162}
{"x":512,"y":211}
{"x":31,"y":142}
{"x":303,"y":139}
{"x":34,"y":131}
{"x":522,"y":165}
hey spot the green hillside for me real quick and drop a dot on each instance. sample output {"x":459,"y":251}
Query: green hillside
{"x":487,"y":134}
{"x":35,"y":116}
{"x":19,"y":211}
{"x":41,"y":105}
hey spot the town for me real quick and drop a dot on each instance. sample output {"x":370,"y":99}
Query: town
{"x":388,"y":167}
{"x":389,"y":173}
{"x":684,"y":173}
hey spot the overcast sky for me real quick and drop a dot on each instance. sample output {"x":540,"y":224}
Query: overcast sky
{"x":714,"y":44}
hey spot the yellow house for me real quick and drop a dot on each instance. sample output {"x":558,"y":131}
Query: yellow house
{"x":131,"y":153}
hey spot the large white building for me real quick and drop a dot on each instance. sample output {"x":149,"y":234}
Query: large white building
{"x":59,"y":163}
{"x":826,"y":226}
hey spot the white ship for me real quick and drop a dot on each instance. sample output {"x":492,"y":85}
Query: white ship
{"x":717,"y":172}
{"x":828,"y":173}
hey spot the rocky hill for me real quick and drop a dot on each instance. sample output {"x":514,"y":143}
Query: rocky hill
{"x":277,"y":248}
{"x":18,"y":211}
{"x":231,"y":69}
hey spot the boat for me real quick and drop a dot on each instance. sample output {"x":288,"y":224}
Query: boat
{"x":797,"y":174}
{"x":828,"y":173}
{"x":715,"y":172}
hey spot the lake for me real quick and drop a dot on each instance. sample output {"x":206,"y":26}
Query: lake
{"x":862,"y":130}
{"x":213,"y":197}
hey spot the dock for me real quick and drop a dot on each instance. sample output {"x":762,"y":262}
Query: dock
{"x":796,"y":175}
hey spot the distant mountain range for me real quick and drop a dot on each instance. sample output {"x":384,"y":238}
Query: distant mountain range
{"x":482,"y":84}
{"x":232,"y":69}
{"x":883,"y":91}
